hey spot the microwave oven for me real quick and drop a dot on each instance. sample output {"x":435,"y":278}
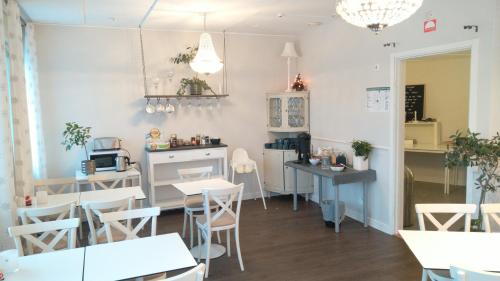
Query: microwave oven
{"x":106,"y":160}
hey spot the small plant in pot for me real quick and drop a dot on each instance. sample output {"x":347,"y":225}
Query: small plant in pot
{"x":362,"y":150}
{"x":76,"y":135}
{"x":470,"y":150}
{"x":193,"y":86}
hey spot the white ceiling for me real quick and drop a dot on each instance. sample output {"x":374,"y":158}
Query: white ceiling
{"x":245,"y":16}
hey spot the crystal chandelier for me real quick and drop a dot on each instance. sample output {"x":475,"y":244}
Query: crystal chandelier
{"x":206,"y":60}
{"x":376,"y":14}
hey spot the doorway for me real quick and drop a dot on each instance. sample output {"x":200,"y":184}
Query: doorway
{"x":399,"y":68}
{"x":436,"y":107}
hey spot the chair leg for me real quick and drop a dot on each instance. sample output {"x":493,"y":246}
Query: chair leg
{"x":237,"y":240}
{"x":208,"y":242}
{"x":228,"y":236}
{"x":232,"y":175}
{"x":424,"y":274}
{"x":218,"y":237}
{"x":199,"y":244}
{"x":191,"y":229}
{"x":184,"y":225}
{"x":260,"y":186}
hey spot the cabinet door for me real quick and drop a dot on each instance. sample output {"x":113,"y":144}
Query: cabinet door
{"x":274,"y":112}
{"x":273,"y":170}
{"x":297,"y":113}
{"x":304,"y":180}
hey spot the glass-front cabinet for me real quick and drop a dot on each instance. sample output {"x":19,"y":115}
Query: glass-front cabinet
{"x":288,"y":112}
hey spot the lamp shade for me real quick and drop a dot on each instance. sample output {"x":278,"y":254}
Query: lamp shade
{"x":289,"y":50}
{"x":206,"y":60}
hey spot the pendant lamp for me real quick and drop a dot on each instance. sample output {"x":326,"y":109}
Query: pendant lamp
{"x":206,"y":60}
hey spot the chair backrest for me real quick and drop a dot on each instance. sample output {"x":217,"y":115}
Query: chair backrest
{"x":240,"y":156}
{"x":223,"y":199}
{"x":95,"y":209}
{"x":107,"y":181}
{"x":490,"y":210}
{"x":459,"y":210}
{"x":44,"y":214}
{"x":113,"y":219}
{"x":61,"y":227}
{"x":55,"y":185}
{"x":194,"y":274}
{"x":462,"y":274}
{"x":195,"y":173}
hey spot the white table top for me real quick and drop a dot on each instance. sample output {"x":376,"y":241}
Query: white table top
{"x":131,"y":172}
{"x":439,"y":250}
{"x":194,"y":187}
{"x":135,"y":258}
{"x":64,"y":265}
{"x":53,"y":200}
{"x":112,"y":194}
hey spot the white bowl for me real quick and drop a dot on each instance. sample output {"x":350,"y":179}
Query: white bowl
{"x":337,"y":169}
{"x":314,"y":161}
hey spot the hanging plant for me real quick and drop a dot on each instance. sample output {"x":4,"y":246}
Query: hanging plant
{"x":186,"y":57}
{"x":194,"y":85}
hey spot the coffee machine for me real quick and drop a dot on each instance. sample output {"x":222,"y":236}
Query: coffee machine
{"x":303,"y":147}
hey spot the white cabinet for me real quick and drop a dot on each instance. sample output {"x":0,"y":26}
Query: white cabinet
{"x":280,"y":179}
{"x":288,"y":112}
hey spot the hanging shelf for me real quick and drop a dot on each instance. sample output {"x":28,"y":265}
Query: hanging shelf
{"x":183,"y":96}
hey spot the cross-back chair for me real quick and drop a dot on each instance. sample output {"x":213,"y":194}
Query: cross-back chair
{"x":107,"y":181}
{"x":463,"y":274}
{"x":55,"y":185}
{"x":194,"y":274}
{"x":28,"y":232}
{"x":224,"y":218}
{"x":193,"y":205}
{"x":490,"y":211}
{"x":427,"y":210}
{"x":94,"y":209}
{"x":33,"y":215}
{"x":113,"y":220}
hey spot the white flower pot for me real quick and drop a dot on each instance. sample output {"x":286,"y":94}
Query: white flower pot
{"x":360,"y":163}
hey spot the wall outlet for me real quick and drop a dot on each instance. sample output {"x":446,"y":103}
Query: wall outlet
{"x":376,"y":67}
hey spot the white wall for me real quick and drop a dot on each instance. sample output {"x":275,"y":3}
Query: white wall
{"x":94,"y":76}
{"x":339,"y":62}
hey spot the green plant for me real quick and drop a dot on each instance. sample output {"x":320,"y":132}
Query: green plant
{"x":194,"y":82}
{"x":470,"y":150}
{"x":185,"y":58}
{"x":361,"y":148}
{"x":76,"y":135}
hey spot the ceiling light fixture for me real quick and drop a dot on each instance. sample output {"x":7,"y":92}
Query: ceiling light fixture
{"x":376,"y":14}
{"x":206,"y":60}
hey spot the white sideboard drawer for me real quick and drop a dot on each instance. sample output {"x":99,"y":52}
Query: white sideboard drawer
{"x":186,"y":155}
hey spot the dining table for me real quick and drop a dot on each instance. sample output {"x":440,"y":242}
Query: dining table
{"x":442,"y":249}
{"x":190,"y":188}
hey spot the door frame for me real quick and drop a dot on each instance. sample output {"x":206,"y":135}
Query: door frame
{"x":396,"y":134}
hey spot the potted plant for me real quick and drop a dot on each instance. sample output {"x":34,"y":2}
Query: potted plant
{"x":470,"y":150}
{"x":76,"y":135}
{"x":192,"y":86}
{"x":362,"y":150}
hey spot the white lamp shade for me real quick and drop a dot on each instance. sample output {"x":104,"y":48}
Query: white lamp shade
{"x":289,"y":50}
{"x":206,"y":60}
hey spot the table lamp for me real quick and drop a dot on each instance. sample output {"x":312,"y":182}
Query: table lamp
{"x":289,"y":52}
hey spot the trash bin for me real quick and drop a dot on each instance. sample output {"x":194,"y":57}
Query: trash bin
{"x":409,"y":198}
{"x":328,"y":209}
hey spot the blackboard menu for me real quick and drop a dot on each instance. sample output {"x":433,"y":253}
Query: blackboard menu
{"x":414,"y":101}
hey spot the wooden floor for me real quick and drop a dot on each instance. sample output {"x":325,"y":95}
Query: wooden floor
{"x":282,"y":245}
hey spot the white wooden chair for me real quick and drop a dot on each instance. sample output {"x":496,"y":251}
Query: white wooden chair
{"x":193,"y":204}
{"x":462,"y":274}
{"x":460,"y":210}
{"x":61,"y":227}
{"x":34,"y":215}
{"x":113,"y":220}
{"x":222,"y":219}
{"x":493,"y":211}
{"x":95,"y":209}
{"x":194,"y":274}
{"x":55,"y":185}
{"x":242,"y":164}
{"x":107,"y":181}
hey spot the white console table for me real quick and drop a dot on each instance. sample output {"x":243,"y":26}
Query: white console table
{"x":184,"y":156}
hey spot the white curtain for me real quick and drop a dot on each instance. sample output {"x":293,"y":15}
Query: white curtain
{"x":15,"y":153}
{"x":33,"y":95}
